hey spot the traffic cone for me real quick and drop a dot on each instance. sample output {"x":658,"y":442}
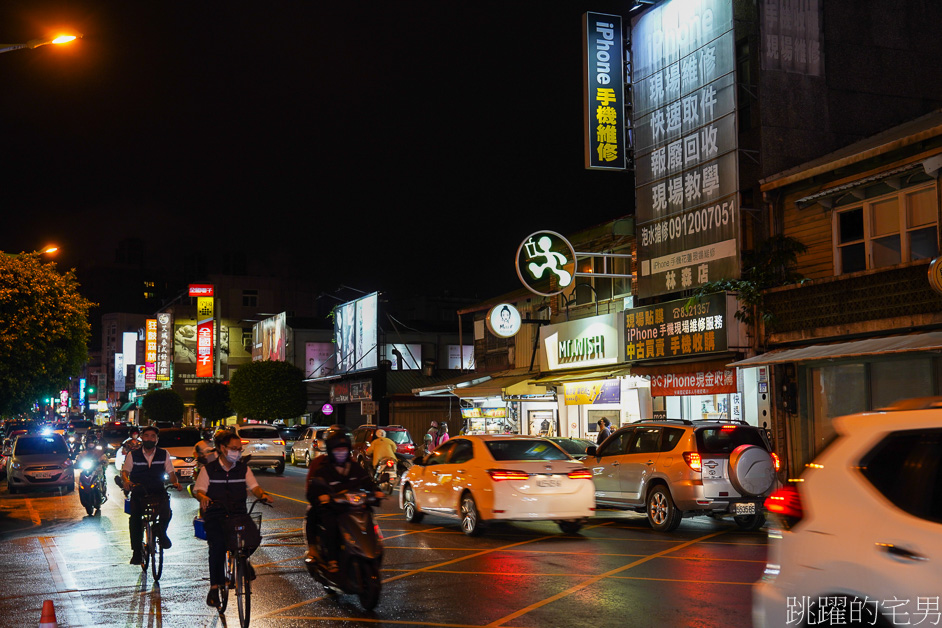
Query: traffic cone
{"x":48,"y":618}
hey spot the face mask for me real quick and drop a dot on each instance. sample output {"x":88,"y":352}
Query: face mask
{"x":341,"y":455}
{"x":149,"y":444}
{"x":233,"y":456}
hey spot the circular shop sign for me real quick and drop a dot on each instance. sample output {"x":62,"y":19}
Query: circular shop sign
{"x":546,"y":263}
{"x":503,"y":320}
{"x":327,"y":409}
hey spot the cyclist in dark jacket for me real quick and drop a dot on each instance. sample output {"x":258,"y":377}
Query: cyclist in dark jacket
{"x":222,"y":488}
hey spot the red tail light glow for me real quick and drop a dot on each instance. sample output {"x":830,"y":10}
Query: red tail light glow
{"x":390,"y":463}
{"x":499,"y":475}
{"x":693,"y":461}
{"x":279,"y":442}
{"x":786,"y":504}
{"x":580,"y":474}
{"x":244,"y":441}
{"x":728,"y":428}
{"x":776,"y":461}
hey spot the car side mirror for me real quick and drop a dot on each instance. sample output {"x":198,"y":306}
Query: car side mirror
{"x":591,"y":451}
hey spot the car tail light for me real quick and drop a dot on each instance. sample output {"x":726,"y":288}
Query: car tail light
{"x":279,"y":442}
{"x":499,"y":475}
{"x":785,"y":503}
{"x":580,"y":474}
{"x":776,"y":461}
{"x":693,"y":461}
{"x":245,"y":441}
{"x":728,"y":428}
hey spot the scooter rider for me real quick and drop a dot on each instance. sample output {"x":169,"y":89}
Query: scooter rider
{"x":94,"y":453}
{"x":222,"y":488}
{"x":147,"y":467}
{"x":381,"y":448}
{"x":330,"y":474}
{"x":132,"y":442}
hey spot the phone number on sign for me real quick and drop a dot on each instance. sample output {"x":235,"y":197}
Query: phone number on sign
{"x":696,"y":221}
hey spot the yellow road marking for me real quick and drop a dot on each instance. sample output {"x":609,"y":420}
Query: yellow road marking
{"x":748,"y":584}
{"x":366,"y":620}
{"x":300,"y":501}
{"x":37,"y":520}
{"x":595,"y":579}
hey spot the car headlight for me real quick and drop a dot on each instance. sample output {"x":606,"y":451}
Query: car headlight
{"x":17,"y":465}
{"x":173,"y":457}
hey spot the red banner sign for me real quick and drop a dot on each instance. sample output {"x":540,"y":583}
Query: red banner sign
{"x":715,"y":382}
{"x":201,"y":290}
{"x":204,"y":337}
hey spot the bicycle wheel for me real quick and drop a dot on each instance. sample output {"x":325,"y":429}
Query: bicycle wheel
{"x":147,"y":545}
{"x":243,"y":592}
{"x":157,"y":560}
{"x":230,"y":577}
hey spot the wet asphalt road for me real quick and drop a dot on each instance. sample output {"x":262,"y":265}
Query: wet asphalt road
{"x":616,"y":572}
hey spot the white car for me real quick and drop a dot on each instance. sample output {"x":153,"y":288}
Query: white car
{"x":264,"y":444}
{"x":179,"y":443}
{"x":477,"y":479}
{"x":859,"y":539}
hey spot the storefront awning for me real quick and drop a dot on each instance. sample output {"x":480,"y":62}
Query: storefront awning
{"x":581,"y":375}
{"x":931,"y":341}
{"x":447,"y":386}
{"x":505,"y":383}
{"x":126,"y":406}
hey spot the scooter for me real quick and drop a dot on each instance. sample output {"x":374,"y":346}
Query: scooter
{"x":394,"y":469}
{"x":361,"y":551}
{"x":92,"y":491}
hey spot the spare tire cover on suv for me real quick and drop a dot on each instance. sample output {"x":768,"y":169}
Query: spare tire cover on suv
{"x":751,"y":470}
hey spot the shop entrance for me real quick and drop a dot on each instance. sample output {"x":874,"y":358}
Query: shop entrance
{"x":543,"y":422}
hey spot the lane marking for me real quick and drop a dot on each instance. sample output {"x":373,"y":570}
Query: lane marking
{"x":595,"y":579}
{"x":366,"y":620}
{"x":33,"y":515}
{"x":300,"y":501}
{"x":65,"y":585}
{"x":747,"y":584}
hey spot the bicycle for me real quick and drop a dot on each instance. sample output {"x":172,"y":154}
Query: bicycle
{"x":152,"y":553}
{"x":237,"y":565}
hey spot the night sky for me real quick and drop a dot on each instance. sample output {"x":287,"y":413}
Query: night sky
{"x":392,"y":146}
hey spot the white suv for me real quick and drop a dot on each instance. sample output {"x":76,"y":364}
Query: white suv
{"x":859,"y":536}
{"x":263,"y":445}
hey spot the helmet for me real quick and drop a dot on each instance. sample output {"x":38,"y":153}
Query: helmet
{"x":336,"y":436}
{"x":380,"y":433}
{"x":435,"y":424}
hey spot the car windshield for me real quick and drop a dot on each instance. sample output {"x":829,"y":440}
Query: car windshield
{"x":258,"y":432}
{"x":32,"y":445}
{"x":183,"y":438}
{"x":80,"y":425}
{"x":520,"y":449}
{"x":573,"y":445}
{"x":398,"y":437}
{"x":116,"y":433}
{"x":723,"y":439}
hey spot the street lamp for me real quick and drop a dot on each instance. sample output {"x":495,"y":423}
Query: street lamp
{"x":36,"y":43}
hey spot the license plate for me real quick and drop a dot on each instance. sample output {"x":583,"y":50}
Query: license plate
{"x":744,"y":509}
{"x":41,"y":475}
{"x":185,"y":472}
{"x":548,"y":483}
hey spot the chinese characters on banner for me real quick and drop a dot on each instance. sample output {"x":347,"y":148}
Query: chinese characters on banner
{"x":603,"y":91}
{"x":672,"y":329}
{"x":791,"y":36}
{"x":685,"y":143}
{"x":164,"y":345}
{"x":712,"y":382}
{"x":204,"y":337}
{"x":150,"y":350}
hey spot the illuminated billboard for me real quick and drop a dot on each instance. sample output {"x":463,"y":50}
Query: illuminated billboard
{"x":685,"y":145}
{"x":269,"y":338}
{"x":150,"y":349}
{"x":403,"y":357}
{"x":355,"y":325}
{"x":320,"y":359}
{"x":164,"y":345}
{"x":603,"y":91}
{"x":204,"y":336}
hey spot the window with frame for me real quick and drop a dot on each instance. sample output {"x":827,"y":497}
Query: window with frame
{"x":592,"y":289}
{"x":887,"y":230}
{"x":250,"y":298}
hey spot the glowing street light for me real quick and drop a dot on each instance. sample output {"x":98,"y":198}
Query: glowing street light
{"x":36,"y":43}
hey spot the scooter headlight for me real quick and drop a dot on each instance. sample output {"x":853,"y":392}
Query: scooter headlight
{"x":86,"y":465}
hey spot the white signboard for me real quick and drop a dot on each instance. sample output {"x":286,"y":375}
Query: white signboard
{"x":129,"y":344}
{"x":119,"y":372}
{"x":687,"y":179}
{"x":320,"y":359}
{"x":461,"y":357}
{"x":593,"y":341}
{"x":404,"y":357}
{"x":503,"y":320}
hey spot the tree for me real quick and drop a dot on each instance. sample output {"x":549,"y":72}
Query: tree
{"x":163,"y":405}
{"x":44,"y":330}
{"x":771,"y":264}
{"x":268,"y":390}
{"x":212,"y":401}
